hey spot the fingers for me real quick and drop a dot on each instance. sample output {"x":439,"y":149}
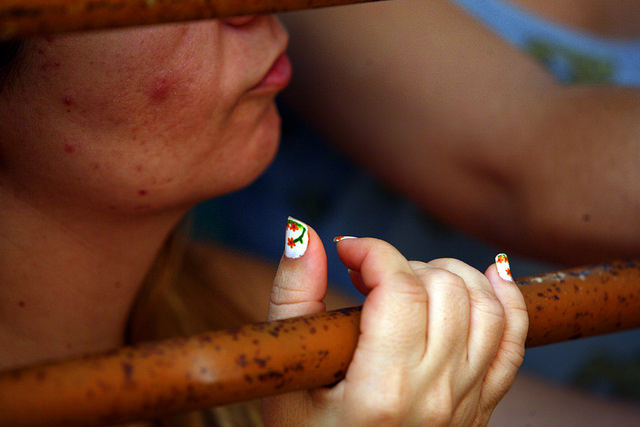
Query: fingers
{"x":430,"y":332}
{"x":301,"y":280}
{"x":502,"y":371}
{"x":448,"y":311}
{"x":432,"y":335}
{"x":486,"y":314}
{"x":394,"y":315}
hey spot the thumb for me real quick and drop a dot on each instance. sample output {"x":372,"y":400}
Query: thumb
{"x":300,"y":284}
{"x":298,"y":289}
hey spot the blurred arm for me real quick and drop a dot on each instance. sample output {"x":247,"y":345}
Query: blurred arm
{"x":471,"y":129}
{"x":536,"y":403}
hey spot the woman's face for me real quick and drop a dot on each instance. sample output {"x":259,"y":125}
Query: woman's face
{"x":144,"y":119}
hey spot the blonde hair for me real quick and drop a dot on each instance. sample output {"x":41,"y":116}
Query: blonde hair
{"x":178,"y":299}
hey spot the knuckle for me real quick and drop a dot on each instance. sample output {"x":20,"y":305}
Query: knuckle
{"x":281,"y":295}
{"x":446,"y":283}
{"x":446,"y":263}
{"x":381,"y":248}
{"x":418,"y":266}
{"x":513,"y":347}
{"x":289,"y":292}
{"x":519,"y":321}
{"x":442,"y":277}
{"x":488,"y":306}
{"x":407,"y":284}
{"x":513,"y":356}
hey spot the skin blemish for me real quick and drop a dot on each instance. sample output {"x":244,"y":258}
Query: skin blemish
{"x":160,"y":90}
{"x":68,"y":148}
{"x":21,"y":304}
{"x":142,"y":192}
{"x":68,"y":101}
{"x":49,"y":65}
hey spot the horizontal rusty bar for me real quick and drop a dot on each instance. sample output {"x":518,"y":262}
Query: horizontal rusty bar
{"x":21,"y":18}
{"x":582,"y":302}
{"x":258,"y":360}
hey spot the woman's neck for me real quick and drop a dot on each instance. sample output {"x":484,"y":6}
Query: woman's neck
{"x":68,"y":281}
{"x":608,"y":18}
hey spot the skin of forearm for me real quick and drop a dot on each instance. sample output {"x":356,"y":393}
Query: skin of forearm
{"x":471,"y":129}
{"x":580,"y":186}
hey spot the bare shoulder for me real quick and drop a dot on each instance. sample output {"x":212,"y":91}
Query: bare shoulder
{"x":243,"y":278}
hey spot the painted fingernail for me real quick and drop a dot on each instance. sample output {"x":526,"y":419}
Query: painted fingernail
{"x":338,"y":238}
{"x":504,"y":271}
{"x":296,"y":238}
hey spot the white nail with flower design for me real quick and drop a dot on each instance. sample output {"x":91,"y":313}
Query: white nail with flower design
{"x":504,"y":270}
{"x":296,"y":238}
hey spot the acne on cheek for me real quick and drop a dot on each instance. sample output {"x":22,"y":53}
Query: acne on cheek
{"x":50,"y":65}
{"x":48,"y":62}
{"x":170,"y":82}
{"x":168,"y":104}
{"x":161,"y":89}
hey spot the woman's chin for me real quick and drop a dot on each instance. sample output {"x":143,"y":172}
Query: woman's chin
{"x":242,"y":167}
{"x":210,"y":174}
{"x":263,"y":148}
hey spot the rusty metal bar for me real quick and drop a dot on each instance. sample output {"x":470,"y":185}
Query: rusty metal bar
{"x":21,"y":18}
{"x":582,"y":302}
{"x":258,"y":360}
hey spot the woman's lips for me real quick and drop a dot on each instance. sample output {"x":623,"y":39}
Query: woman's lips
{"x":278,"y":76}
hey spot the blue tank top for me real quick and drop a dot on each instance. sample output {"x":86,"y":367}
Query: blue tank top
{"x":571,"y":55}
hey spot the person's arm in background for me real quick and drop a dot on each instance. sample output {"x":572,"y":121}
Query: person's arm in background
{"x":471,"y":129}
